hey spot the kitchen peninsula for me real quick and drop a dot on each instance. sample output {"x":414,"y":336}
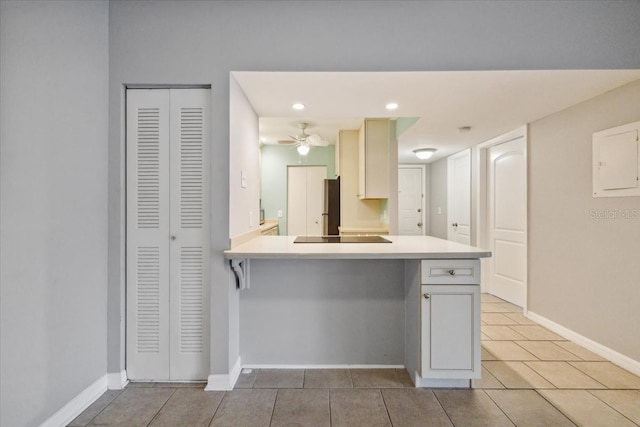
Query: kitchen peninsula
{"x":412,"y":303}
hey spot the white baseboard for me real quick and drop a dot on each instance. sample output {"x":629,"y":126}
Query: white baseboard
{"x":273,"y":366}
{"x":224,"y":381}
{"x":613,"y":356}
{"x":117,"y":380}
{"x":78,"y":404}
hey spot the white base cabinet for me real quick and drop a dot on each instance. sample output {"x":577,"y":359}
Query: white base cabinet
{"x":450,"y":339}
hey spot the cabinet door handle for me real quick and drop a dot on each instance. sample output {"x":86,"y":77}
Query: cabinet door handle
{"x":452,"y":272}
{"x":427,"y":296}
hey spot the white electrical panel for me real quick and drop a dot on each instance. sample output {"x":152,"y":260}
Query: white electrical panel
{"x":616,"y":161}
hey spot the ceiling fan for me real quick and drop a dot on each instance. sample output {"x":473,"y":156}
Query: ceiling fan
{"x":304,"y":141}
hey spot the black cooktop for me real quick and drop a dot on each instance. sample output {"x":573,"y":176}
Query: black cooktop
{"x":340,"y":239}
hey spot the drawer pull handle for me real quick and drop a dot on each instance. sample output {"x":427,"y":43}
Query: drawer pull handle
{"x":427,"y":296}
{"x":452,"y":272}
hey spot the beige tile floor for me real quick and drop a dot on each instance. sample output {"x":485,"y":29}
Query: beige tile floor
{"x":530,"y":377}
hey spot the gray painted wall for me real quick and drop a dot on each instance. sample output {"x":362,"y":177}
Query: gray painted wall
{"x":583,"y":272}
{"x":353,"y":315}
{"x":50,"y":51}
{"x":53,"y":128}
{"x":438,"y":198}
{"x":201,"y":42}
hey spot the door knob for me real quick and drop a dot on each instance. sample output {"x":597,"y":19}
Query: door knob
{"x":426,"y":296}
{"x":419,"y":224}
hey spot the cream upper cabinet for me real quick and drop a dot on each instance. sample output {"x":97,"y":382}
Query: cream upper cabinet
{"x":373,"y":159}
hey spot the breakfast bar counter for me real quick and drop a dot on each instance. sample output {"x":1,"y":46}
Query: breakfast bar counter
{"x":400,"y":247}
{"x":411,"y":302}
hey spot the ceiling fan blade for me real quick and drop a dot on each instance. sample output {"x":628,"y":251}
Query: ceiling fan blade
{"x":314,"y":139}
{"x":286,"y":142}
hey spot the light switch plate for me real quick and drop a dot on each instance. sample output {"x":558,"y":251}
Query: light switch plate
{"x":243,"y":179}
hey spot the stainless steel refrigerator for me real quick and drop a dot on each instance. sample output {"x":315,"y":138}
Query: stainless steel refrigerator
{"x":331,"y":213}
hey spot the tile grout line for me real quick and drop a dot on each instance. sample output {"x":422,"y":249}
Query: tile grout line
{"x":551,"y":403}
{"x":102,"y":410}
{"x":273,"y":410}
{"x":441,"y":406}
{"x":500,"y":408}
{"x":493,"y":375}
{"x":590,"y":392}
{"x":606,"y":387}
{"x":384,"y":403}
{"x":224,"y":394}
{"x":330,"y":417}
{"x":163,"y":405}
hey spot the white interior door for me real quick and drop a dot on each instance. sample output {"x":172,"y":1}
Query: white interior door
{"x":167,"y":233}
{"x":507,"y":220}
{"x":410,"y":200}
{"x":305,"y":200}
{"x":459,"y":197}
{"x":315,"y":199}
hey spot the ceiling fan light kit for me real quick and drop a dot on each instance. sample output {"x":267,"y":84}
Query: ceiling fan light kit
{"x":424,"y":153}
{"x":304,"y":141}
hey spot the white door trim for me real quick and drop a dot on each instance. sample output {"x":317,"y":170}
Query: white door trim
{"x":425,"y":223}
{"x":480,"y":180}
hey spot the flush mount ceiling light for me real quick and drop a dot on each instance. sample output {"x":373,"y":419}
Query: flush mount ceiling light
{"x":298,"y":106}
{"x":424,"y":153}
{"x":391,"y":106}
{"x":303,"y":149}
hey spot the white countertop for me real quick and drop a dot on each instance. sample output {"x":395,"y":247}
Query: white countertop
{"x":402,"y":247}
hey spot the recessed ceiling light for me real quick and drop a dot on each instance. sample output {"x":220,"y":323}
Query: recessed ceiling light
{"x":391,"y":106}
{"x":298,"y":106}
{"x":424,"y":153}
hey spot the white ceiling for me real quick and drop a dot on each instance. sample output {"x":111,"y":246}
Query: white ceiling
{"x":491,"y":102}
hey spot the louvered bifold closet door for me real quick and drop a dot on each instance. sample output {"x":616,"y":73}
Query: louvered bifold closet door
{"x":189,"y":251}
{"x":147,"y":234}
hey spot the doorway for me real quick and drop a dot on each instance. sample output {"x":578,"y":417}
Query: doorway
{"x":503,"y":218}
{"x":167,"y":322}
{"x":305,"y":200}
{"x":411,"y":200}
{"x":459,"y":197}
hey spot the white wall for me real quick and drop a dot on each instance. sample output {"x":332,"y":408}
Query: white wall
{"x":244,"y":157}
{"x":584,"y":272}
{"x":53,"y":128}
{"x":438,"y":198}
{"x":202,"y":42}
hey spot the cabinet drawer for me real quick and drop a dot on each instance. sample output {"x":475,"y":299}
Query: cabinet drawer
{"x":450,"y":271}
